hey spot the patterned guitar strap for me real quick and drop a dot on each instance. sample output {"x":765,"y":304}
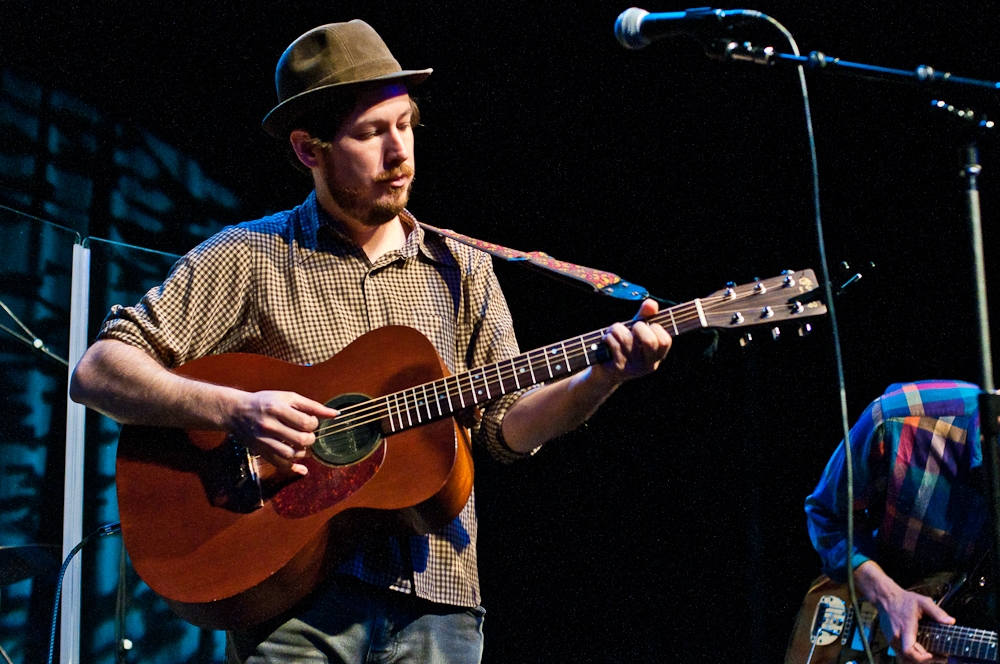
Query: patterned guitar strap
{"x":588,"y":278}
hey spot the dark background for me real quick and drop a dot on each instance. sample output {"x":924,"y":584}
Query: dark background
{"x":671,"y":526}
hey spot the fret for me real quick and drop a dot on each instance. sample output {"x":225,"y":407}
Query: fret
{"x":406,"y":407}
{"x":479,"y":394}
{"x":399,"y":413}
{"x":594,"y":349}
{"x":531,"y":368}
{"x":427,"y":404}
{"x":569,"y":367}
{"x":500,"y":386}
{"x":458,"y":384}
{"x":437,"y":400}
{"x":554,"y":356}
{"x":673,"y":322}
{"x":447,"y":395}
{"x":388,"y":408}
{"x":548,"y":367}
{"x":416,"y":405}
{"x":583,"y":345}
{"x":472,"y":385}
{"x":486,"y":384}
{"x":513,"y":368}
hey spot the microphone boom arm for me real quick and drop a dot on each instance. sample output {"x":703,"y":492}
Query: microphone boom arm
{"x":728,"y":50}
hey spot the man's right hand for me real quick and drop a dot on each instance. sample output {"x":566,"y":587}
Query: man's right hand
{"x":900,"y":612}
{"x":279,"y":426}
{"x":131,"y":387}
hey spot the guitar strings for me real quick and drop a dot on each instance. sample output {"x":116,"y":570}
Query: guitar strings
{"x":957,"y":640}
{"x":378,"y":408}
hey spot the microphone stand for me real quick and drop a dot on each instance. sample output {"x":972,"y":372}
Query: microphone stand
{"x":726,"y":49}
{"x":975,"y":128}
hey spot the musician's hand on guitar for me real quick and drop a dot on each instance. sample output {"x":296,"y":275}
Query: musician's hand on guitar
{"x":900,"y":611}
{"x":899,"y":619}
{"x":639,"y":351}
{"x":279,"y":426}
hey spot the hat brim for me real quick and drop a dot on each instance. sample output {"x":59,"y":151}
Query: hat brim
{"x":280,"y":121}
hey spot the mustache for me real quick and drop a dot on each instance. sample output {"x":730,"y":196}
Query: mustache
{"x":393,"y":173}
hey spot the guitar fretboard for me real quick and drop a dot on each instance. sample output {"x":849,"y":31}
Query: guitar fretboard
{"x":768,"y":301}
{"x":959,"y":641}
{"x":432,"y":401}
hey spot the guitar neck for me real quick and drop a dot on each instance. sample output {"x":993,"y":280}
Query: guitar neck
{"x":960,"y":641}
{"x":760,"y":302}
{"x":432,"y":401}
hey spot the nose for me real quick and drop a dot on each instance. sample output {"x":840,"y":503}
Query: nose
{"x":396,"y":149}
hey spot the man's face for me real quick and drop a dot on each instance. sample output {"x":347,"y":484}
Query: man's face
{"x":369,"y":167}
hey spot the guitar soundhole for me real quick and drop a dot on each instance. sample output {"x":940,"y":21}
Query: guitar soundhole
{"x":339,"y":442}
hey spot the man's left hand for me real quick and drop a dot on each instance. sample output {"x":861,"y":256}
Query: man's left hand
{"x":638,"y":351}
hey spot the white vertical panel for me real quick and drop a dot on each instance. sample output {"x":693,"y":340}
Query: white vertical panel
{"x":76,"y":416}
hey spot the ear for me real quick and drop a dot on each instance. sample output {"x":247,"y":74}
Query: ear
{"x":302,"y":144}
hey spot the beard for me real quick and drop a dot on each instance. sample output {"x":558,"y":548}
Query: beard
{"x":374,"y":213}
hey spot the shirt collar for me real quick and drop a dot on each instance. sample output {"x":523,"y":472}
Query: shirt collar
{"x":417,"y":239}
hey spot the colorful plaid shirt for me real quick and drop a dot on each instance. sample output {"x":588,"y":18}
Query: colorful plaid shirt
{"x":919,"y":506}
{"x":293,"y":287}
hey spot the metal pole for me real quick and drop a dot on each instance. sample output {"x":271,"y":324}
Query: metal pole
{"x":76,"y":416}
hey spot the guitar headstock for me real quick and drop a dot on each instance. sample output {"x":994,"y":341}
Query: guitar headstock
{"x":764,"y":302}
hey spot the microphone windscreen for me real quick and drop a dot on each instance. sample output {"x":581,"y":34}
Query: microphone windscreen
{"x":627,"y":28}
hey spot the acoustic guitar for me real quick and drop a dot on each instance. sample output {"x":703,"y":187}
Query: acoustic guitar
{"x":229,"y":541}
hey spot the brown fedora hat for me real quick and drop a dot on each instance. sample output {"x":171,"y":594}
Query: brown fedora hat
{"x":323,"y":62}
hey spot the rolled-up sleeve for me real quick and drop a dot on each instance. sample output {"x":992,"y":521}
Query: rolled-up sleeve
{"x":203,"y":307}
{"x":492,"y":341}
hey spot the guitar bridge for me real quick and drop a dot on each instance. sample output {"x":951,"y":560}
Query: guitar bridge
{"x":828,"y":622}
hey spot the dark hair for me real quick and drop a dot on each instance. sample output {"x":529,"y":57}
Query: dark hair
{"x":324,"y":123}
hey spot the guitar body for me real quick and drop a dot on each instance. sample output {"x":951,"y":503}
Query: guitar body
{"x":826,"y":618}
{"x":223,"y":561}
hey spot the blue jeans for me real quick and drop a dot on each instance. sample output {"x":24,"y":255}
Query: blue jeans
{"x":350,"y":622}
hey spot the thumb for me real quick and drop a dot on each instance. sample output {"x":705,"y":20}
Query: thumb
{"x":647,"y":309}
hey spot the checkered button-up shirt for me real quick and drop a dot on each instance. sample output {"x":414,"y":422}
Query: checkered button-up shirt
{"x":293,"y":287}
{"x":918,"y":502}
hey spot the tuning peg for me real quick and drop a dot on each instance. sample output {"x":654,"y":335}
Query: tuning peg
{"x":746,"y":340}
{"x":775,"y":333}
{"x":805,"y":329}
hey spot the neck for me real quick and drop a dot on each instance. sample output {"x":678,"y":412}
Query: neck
{"x":375,"y":241}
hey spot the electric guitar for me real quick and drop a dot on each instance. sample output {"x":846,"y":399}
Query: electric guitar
{"x":827,"y":628}
{"x":227,"y":540}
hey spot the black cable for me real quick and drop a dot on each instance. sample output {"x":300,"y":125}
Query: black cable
{"x":121,"y":608}
{"x":828,"y":293}
{"x":108,"y":529}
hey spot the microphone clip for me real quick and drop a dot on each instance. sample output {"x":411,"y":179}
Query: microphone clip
{"x":727,"y":50}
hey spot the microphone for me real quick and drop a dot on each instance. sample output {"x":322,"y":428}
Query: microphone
{"x":637,"y":28}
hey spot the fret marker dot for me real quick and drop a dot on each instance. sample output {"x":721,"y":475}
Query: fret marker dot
{"x":593,"y":346}
{"x":480,"y":392}
{"x":558,"y":367}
